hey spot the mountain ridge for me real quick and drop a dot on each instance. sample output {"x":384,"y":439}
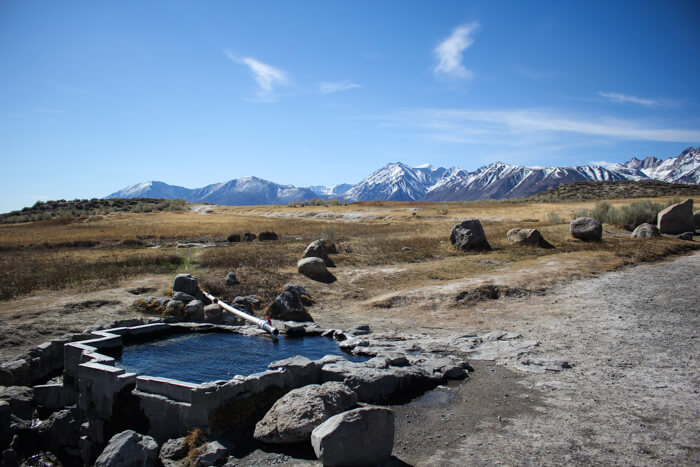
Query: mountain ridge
{"x":397,"y":181}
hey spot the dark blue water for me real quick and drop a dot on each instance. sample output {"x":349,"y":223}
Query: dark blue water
{"x":198,"y":358}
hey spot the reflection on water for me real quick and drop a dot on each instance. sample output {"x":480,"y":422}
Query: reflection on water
{"x":198,"y":358}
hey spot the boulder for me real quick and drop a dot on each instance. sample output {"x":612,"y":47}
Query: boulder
{"x":247,"y":303}
{"x":315,"y":268}
{"x":293,"y":417}
{"x":249,"y":237}
{"x":194,"y":310}
{"x":469,"y":235}
{"x":317,"y":249}
{"x":645,"y":231}
{"x":20,"y":400}
{"x":231,"y":279}
{"x":677,"y":218}
{"x":213,"y":313}
{"x":175,"y":308}
{"x":684,"y":236}
{"x":186,"y":283}
{"x":234,"y":238}
{"x":212,"y":453}
{"x":183,"y":297}
{"x":586,"y":229}
{"x":362,"y":436}
{"x":289,"y":305}
{"x":129,"y":448}
{"x":173,"y":450}
{"x":60,"y":432}
{"x":267,"y":236}
{"x":696,"y":219}
{"x":529,"y":237}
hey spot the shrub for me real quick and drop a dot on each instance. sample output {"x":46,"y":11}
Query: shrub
{"x":326,"y":234}
{"x":442,"y":210}
{"x":554,"y":218}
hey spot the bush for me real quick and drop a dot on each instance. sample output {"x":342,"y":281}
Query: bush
{"x":629,"y":216}
{"x":442,"y":210}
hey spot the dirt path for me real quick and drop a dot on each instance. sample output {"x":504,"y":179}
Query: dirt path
{"x":631,"y":398}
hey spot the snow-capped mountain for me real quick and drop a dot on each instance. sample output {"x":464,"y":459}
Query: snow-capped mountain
{"x":400,"y":182}
{"x":236,"y":192}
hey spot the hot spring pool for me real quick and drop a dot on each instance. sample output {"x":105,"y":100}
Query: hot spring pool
{"x":198,"y":358}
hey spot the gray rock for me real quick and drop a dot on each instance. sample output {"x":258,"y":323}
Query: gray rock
{"x":186,"y":283}
{"x":212,"y":453}
{"x":183,"y":297}
{"x":129,"y":448}
{"x":20,"y":400}
{"x":317,"y":249}
{"x":213,"y":313}
{"x":289,"y":305}
{"x":315,"y":268}
{"x":696,"y":219}
{"x":175,"y":307}
{"x":231,"y":279}
{"x":267,"y":236}
{"x":60,"y":431}
{"x":529,"y":237}
{"x":173,"y":449}
{"x":677,"y":218}
{"x":586,"y":229}
{"x":293,"y":417}
{"x":194,"y":310}
{"x":362,"y":436}
{"x":684,"y":236}
{"x":469,"y":235}
{"x":645,"y":231}
{"x":247,"y":303}
{"x":359,"y":330}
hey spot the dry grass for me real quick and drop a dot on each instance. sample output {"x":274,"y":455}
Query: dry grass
{"x":57,"y":254}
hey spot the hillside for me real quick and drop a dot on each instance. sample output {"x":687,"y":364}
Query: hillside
{"x":586,"y":191}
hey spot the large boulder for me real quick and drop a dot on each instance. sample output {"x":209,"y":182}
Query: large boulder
{"x":362,"y":436}
{"x":645,"y":231}
{"x":677,"y":218}
{"x":186,"y":283}
{"x":289,"y":305}
{"x":469,"y":235}
{"x":213,"y":313}
{"x":293,"y":417}
{"x":317,"y":249}
{"x":586,"y":229}
{"x":529,"y":237}
{"x":696,"y":219}
{"x":129,"y":448}
{"x":315,"y":268}
{"x":194,"y":310}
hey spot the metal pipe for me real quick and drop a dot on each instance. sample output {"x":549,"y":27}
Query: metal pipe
{"x":261,"y":323}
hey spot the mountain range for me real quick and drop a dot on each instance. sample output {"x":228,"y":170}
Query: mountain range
{"x":400,"y":182}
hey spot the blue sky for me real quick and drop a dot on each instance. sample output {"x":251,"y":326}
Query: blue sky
{"x":96,"y":96}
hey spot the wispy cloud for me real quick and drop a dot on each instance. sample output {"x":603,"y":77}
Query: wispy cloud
{"x":518,"y":126}
{"x":331,"y":87}
{"x":267,"y":76}
{"x":620,"y":98}
{"x":449,"y":52}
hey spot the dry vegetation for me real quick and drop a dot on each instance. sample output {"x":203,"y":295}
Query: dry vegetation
{"x":412,"y":238}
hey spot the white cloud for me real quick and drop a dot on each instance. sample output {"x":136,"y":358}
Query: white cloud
{"x":331,"y":87}
{"x":265,"y":75}
{"x":449,"y":52}
{"x":520,"y":126}
{"x":620,"y":98}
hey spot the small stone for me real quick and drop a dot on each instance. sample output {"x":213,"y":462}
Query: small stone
{"x":231,"y":279}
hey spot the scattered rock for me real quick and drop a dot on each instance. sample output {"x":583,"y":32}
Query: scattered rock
{"x":173,"y":450}
{"x":20,"y":400}
{"x":249,"y":237}
{"x":247,"y":303}
{"x":293,"y":417}
{"x":315,"y":268}
{"x":289,"y":305}
{"x":213,"y":313}
{"x":530,"y":237}
{"x":194,"y":310}
{"x":183,"y":297}
{"x":677,"y":218}
{"x":234,"y":238}
{"x":645,"y":231}
{"x":175,"y":308}
{"x":362,"y":436}
{"x":231,"y":279}
{"x":186,"y":283}
{"x":586,"y":229}
{"x":317,"y":249}
{"x":129,"y":448}
{"x":60,"y":432}
{"x":267,"y":236}
{"x":407,"y":249}
{"x":469,"y":235}
{"x":212,"y":453}
{"x":359,"y":330}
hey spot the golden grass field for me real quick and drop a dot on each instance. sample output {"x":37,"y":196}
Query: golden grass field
{"x":99,"y":251}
